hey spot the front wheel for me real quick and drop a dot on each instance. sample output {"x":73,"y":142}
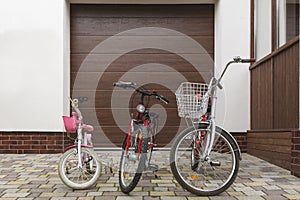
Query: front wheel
{"x":199,"y":174}
{"x":78,"y":176}
{"x":133,"y":159}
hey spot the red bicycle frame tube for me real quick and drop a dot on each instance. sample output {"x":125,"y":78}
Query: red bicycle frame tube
{"x":128,"y":136}
{"x":140,"y":144}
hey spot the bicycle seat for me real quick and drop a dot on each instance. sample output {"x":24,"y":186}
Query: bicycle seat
{"x":153,"y":114}
{"x":88,"y":128}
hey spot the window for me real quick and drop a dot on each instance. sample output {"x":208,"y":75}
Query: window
{"x":287,"y":20}
{"x":262,"y":28}
{"x":275,"y":23}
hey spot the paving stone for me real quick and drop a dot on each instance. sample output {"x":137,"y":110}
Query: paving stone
{"x":94,"y":193}
{"x":275,"y":197}
{"x":236,"y":193}
{"x":183,"y":193}
{"x":52,"y":194}
{"x":222,"y":198}
{"x":129,"y":198}
{"x":164,"y":193}
{"x":151,"y":198}
{"x":85,"y":198}
{"x":292,"y":196}
{"x":172,"y":198}
{"x":16,"y":194}
{"x":108,"y":189}
{"x":271,"y":187}
{"x":198,"y":198}
{"x":63,"y":198}
{"x":256,"y":184}
{"x":106,"y":198}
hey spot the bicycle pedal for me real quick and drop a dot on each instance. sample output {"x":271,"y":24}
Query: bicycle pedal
{"x":215,"y":164}
{"x":153,"y":144}
{"x":152,"y":167}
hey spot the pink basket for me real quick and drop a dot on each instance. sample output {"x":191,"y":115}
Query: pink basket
{"x":70,"y":124}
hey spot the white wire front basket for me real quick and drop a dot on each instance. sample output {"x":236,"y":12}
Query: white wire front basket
{"x":192,"y":99}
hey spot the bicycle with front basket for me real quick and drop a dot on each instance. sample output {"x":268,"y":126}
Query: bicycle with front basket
{"x":139,"y":141}
{"x":204,"y":158}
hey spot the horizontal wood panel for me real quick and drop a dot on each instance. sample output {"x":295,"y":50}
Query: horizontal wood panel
{"x":85,"y":80}
{"x":270,"y":141}
{"x":124,"y":63}
{"x":267,"y":147}
{"x":103,"y":98}
{"x":275,"y":135}
{"x":106,"y":117}
{"x":272,"y":156}
{"x":85,"y":44}
{"x":274,"y":147}
{"x":137,"y":11}
{"x":112,"y":26}
{"x":112,"y":136}
{"x":279,"y":159}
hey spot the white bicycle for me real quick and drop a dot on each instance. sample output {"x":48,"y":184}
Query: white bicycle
{"x":204,"y":158}
{"x":79,"y":167}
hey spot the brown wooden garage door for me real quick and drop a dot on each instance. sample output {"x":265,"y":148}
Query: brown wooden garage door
{"x":157,"y":46}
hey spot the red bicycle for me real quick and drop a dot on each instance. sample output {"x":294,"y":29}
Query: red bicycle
{"x":139,"y":142}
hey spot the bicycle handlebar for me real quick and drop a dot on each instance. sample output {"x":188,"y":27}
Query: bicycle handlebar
{"x":125,"y":85}
{"x":250,"y":60}
{"x":164,"y":99}
{"x":236,"y":60}
{"x":74,"y":103}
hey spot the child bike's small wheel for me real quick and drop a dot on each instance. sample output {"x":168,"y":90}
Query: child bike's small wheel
{"x":79,"y":177}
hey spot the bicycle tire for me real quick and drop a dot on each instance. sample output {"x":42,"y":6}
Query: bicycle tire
{"x":128,"y":187}
{"x":194,"y":182}
{"x":87,"y":176}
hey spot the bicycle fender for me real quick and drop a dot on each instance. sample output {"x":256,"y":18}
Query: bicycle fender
{"x":74,"y":146}
{"x":206,"y":124}
{"x":234,"y":140}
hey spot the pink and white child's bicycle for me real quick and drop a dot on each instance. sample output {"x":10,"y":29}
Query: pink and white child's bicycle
{"x":79,"y":167}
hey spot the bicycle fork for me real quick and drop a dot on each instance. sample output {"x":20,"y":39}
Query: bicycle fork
{"x":212,"y":130}
{"x":79,"y":166}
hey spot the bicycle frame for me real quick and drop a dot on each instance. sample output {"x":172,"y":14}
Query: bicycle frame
{"x":212,"y":90}
{"x":139,"y":119}
{"x":142,"y":114}
{"x":82,"y":138}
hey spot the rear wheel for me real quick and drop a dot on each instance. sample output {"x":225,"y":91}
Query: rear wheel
{"x":133,"y":159}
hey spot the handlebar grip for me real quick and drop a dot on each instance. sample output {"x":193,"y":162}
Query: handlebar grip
{"x":123,"y":84}
{"x":117,"y":84}
{"x":250,"y":60}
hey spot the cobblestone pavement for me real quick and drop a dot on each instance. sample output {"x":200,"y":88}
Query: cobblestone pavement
{"x":26,"y":177}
